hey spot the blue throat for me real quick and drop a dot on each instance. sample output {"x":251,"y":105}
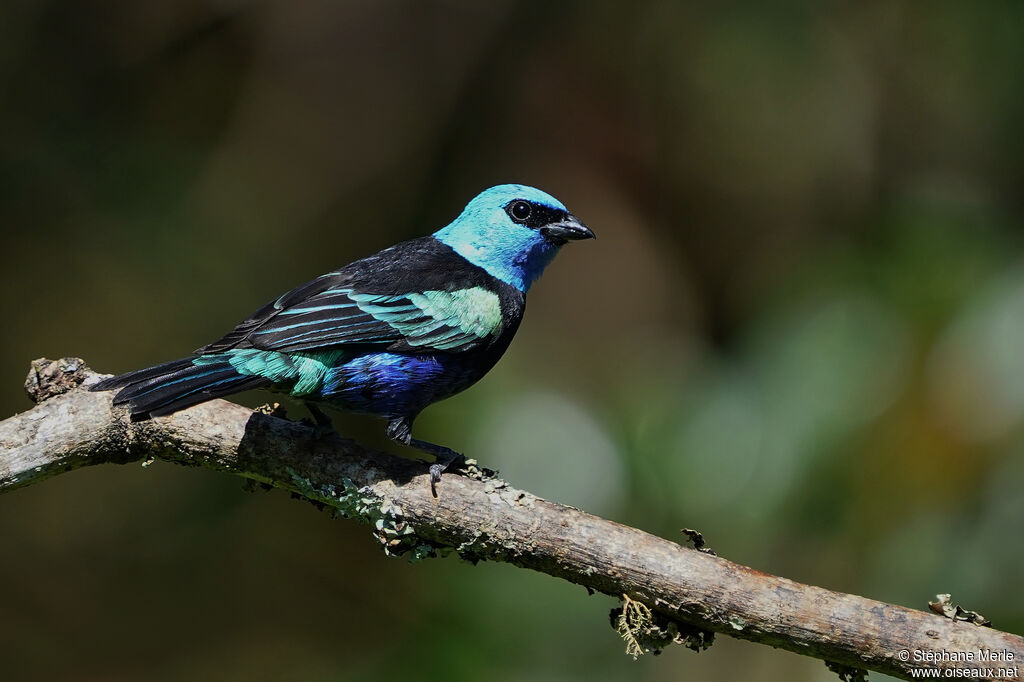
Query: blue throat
{"x":485,"y":236}
{"x":520,"y":270}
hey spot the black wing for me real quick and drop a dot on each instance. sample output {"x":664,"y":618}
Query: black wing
{"x":416,"y":295}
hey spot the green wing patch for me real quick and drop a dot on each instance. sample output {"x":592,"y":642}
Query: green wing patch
{"x":307,"y":369}
{"x":442,"y":320}
{"x":475,"y":311}
{"x":439,"y":319}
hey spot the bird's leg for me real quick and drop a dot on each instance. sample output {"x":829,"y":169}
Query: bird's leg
{"x":324,"y":426}
{"x":445,"y":457}
{"x":400,"y":430}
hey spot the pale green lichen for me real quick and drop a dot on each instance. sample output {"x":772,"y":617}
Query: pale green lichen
{"x":426,"y":551}
{"x":633,"y":623}
{"x":470,"y":546}
{"x":648,"y":632}
{"x":944,"y":606}
{"x":390,"y":527}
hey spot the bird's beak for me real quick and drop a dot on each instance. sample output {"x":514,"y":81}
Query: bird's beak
{"x":566,"y":230}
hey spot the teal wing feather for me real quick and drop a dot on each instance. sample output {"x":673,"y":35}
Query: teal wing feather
{"x":451,"y":321}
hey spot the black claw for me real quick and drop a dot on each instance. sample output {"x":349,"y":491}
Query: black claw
{"x":442,"y":464}
{"x":435,"y":477}
{"x":435,"y":472}
{"x":400,"y":430}
{"x":324,"y":431}
{"x":323,"y":427}
{"x":321,"y":419}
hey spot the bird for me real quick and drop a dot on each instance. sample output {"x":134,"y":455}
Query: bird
{"x":385,"y":335}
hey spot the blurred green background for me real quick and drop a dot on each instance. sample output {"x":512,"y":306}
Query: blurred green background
{"x":799,"y":330}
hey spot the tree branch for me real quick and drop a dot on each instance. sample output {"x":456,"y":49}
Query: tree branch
{"x":669,"y":591}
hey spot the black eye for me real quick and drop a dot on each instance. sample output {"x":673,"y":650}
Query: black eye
{"x":520,"y":211}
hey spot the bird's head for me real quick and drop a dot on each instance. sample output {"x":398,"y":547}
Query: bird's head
{"x":512,"y":232}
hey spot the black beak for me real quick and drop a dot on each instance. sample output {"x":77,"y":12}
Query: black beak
{"x":569,"y":229}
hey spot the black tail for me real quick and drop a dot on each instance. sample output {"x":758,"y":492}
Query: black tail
{"x":172,"y":386}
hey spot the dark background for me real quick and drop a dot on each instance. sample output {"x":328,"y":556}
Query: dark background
{"x":799,"y":330}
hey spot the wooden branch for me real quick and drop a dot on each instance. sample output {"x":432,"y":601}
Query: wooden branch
{"x":669,"y":591}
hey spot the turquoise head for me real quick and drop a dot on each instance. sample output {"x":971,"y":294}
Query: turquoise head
{"x":512,"y":232}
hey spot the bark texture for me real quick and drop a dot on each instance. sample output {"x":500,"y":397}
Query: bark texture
{"x":671,"y":592}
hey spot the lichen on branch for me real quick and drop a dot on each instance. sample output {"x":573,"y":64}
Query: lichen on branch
{"x":670,"y":593}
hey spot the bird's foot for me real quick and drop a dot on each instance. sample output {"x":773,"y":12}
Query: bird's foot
{"x":443,"y":463}
{"x":400,"y":430}
{"x":325,"y":432}
{"x":323,"y":427}
{"x":320,"y":431}
{"x":445,"y":458}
